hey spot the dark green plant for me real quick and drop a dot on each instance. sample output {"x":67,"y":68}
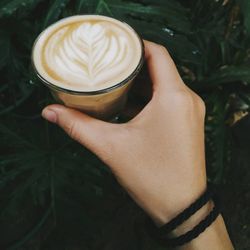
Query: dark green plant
{"x":55,"y":194}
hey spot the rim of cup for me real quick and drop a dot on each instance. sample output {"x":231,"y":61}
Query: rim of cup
{"x":95,"y":92}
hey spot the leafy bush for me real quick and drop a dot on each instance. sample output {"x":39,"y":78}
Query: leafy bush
{"x":54,"y":193}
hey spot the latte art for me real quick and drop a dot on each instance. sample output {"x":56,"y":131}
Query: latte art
{"x":87,"y":54}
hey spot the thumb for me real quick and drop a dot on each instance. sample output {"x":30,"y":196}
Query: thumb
{"x":95,"y":134}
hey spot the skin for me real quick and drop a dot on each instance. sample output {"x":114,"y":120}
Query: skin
{"x":158,"y":156}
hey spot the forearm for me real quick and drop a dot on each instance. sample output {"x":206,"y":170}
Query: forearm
{"x":214,"y":237}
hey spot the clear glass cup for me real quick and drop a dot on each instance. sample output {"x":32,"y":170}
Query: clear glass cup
{"x":103,"y":104}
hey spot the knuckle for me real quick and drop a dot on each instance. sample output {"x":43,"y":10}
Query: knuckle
{"x":190,"y":101}
{"x":164,"y":51}
{"x":201,"y":106}
{"x":184,"y":98}
{"x":71,"y":130}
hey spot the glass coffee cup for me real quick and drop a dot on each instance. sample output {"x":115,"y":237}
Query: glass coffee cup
{"x":104,"y":101}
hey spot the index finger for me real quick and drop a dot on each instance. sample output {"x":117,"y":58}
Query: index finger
{"x":161,"y":66}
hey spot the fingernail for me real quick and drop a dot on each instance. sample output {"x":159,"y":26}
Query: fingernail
{"x":49,"y":115}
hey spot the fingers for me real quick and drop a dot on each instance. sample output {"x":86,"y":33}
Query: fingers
{"x":162,"y":69}
{"x":92,"y":133}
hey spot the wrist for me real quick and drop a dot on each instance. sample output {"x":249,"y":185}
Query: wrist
{"x":165,"y":213}
{"x":193,"y":220}
{"x":214,"y":236}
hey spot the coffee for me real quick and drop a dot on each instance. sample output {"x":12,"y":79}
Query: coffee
{"x":88,"y":55}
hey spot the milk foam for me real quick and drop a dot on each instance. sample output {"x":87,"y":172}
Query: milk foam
{"x":87,"y":53}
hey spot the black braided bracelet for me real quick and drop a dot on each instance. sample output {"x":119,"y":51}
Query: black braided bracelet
{"x":193,"y":233}
{"x":160,"y":234}
{"x":184,"y":215}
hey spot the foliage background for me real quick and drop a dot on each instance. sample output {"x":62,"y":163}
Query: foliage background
{"x":54,"y":194}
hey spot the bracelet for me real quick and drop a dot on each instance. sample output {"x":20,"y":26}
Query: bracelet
{"x":184,"y":215}
{"x":160,"y":234}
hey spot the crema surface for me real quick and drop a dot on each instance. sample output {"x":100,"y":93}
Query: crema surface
{"x":87,"y":53}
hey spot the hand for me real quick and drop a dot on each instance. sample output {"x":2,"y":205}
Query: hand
{"x":158,"y":156}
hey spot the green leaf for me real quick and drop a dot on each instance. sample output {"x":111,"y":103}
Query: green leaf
{"x":80,"y":5}
{"x":85,"y":6}
{"x":169,"y":4}
{"x":229,"y":74}
{"x":32,"y":232}
{"x":217,"y":135}
{"x":172,"y":40}
{"x":245,"y":8}
{"x":13,"y":136}
{"x":4,"y":49}
{"x":156,"y":13}
{"x":8,"y":7}
{"x":54,"y":12}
